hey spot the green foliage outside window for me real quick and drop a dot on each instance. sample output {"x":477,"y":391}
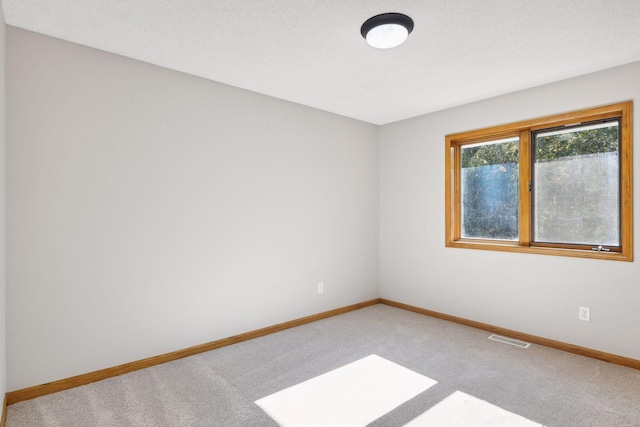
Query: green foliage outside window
{"x":602,"y":140}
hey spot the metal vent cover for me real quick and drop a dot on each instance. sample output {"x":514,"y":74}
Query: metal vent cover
{"x":510,"y":341}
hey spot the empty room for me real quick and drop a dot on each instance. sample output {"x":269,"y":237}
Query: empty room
{"x":319,"y":213}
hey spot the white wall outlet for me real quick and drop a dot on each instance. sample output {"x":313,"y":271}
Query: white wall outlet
{"x":320,"y":287}
{"x":584,"y":313}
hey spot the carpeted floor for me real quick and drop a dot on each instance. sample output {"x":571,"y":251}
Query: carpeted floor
{"x":219,"y":388}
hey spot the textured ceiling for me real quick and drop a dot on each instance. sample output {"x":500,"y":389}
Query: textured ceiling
{"x":311,"y":51}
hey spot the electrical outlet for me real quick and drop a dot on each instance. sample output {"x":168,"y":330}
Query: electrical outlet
{"x":584,"y":313}
{"x":320,"y":287}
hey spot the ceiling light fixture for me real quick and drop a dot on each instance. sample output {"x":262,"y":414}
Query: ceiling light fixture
{"x":387,"y":30}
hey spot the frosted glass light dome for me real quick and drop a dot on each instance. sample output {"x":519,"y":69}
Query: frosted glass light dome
{"x":387,"y":30}
{"x":387,"y":36}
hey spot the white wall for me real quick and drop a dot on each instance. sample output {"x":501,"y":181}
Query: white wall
{"x":149,"y":210}
{"x":3,"y":145}
{"x":536,"y":294}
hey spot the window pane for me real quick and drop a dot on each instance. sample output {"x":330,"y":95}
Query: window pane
{"x":576,"y":193}
{"x":490,"y":190}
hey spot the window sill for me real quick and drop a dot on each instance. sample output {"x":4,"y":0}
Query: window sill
{"x":506,"y":246}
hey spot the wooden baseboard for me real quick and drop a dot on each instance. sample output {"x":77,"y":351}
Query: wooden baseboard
{"x":4,"y":412}
{"x":595,"y":354}
{"x":79,"y":380}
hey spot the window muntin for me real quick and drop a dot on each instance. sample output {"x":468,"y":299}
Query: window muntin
{"x":576,"y":185}
{"x":532,"y":237}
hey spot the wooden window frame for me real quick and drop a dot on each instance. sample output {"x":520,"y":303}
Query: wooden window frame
{"x":523,"y":129}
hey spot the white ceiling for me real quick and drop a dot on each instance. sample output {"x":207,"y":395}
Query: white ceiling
{"x":311,"y":51}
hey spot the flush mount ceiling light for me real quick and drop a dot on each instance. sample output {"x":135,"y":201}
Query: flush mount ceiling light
{"x":387,"y":30}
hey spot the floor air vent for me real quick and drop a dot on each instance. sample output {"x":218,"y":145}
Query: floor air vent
{"x":510,"y":341}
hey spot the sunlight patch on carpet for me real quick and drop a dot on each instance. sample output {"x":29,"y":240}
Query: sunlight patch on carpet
{"x":461,"y":410}
{"x":351,"y":396}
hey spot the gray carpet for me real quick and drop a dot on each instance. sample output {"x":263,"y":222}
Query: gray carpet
{"x":218,"y":388}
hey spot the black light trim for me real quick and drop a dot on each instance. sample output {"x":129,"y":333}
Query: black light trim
{"x":384,"y":19}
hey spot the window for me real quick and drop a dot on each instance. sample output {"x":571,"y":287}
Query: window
{"x":559,"y":185}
